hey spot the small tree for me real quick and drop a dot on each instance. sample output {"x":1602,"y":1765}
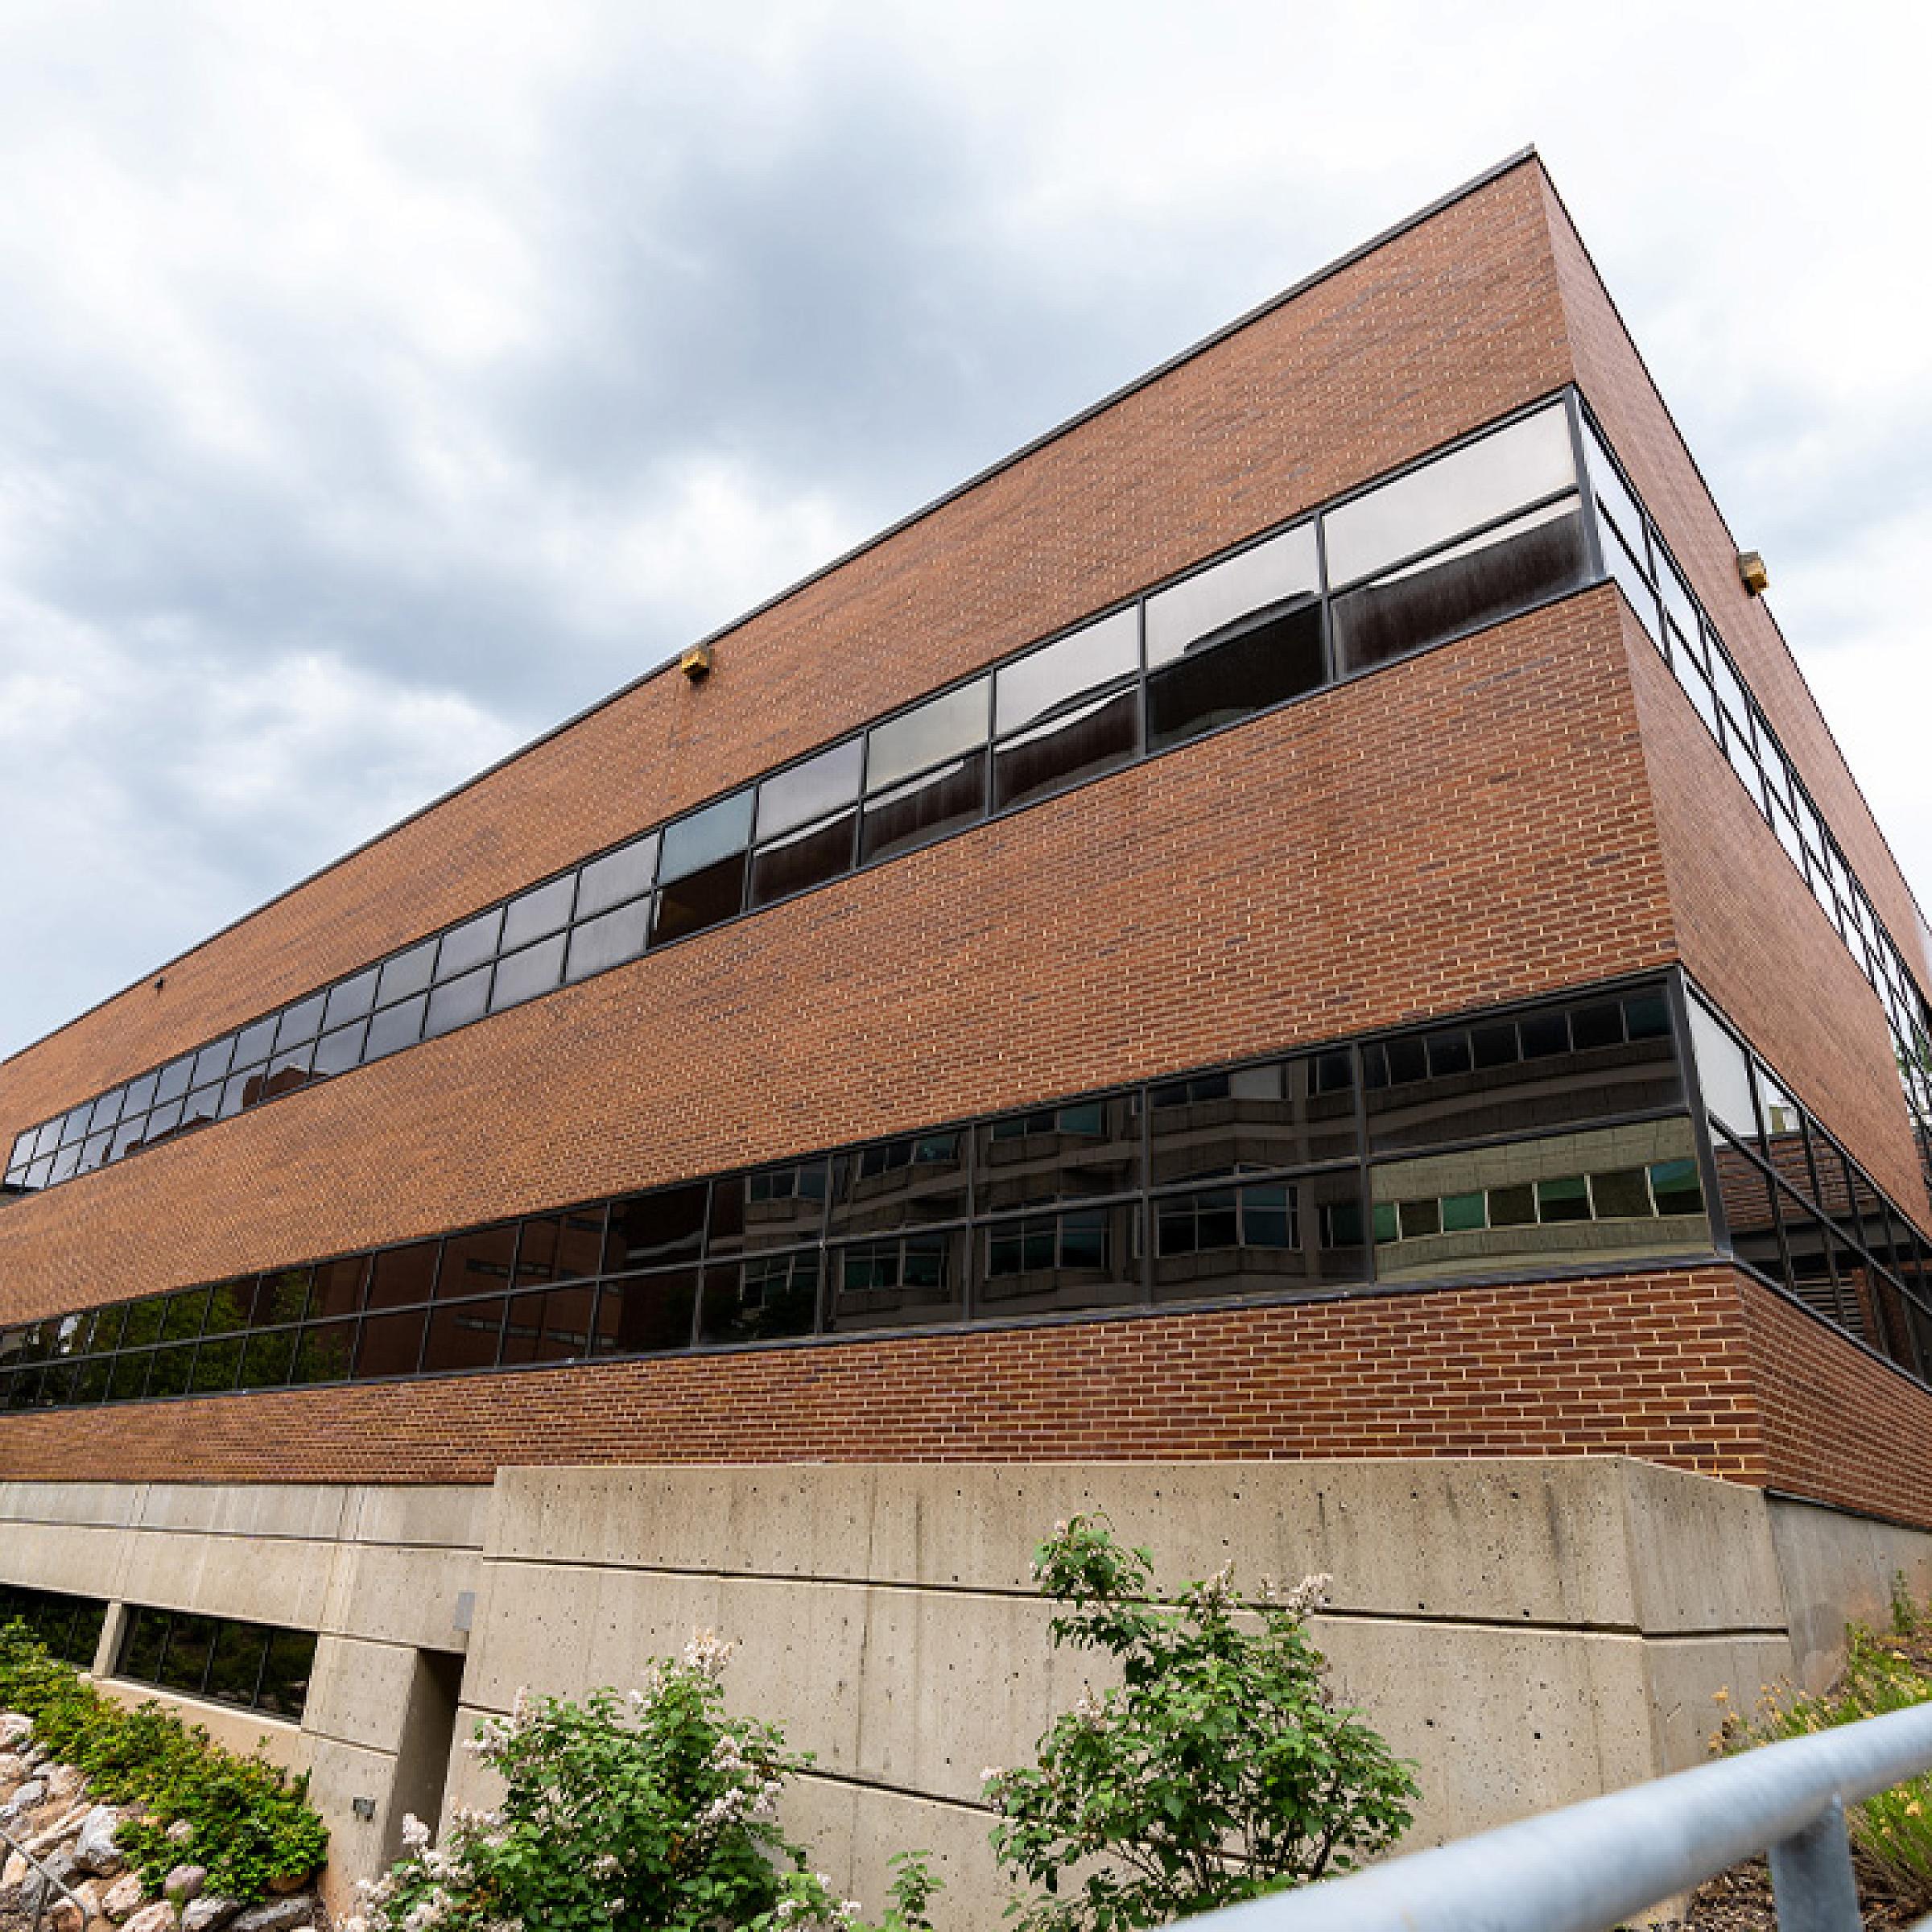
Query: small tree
{"x":655,"y":1812}
{"x":1219,"y":1768}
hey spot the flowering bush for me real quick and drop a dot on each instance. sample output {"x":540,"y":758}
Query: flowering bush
{"x":1220,"y":1767}
{"x":654,"y":1812}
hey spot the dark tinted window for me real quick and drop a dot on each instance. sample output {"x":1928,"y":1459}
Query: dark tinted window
{"x":1291,"y":1113}
{"x":920,"y":1177}
{"x":463,"y":1336}
{"x":402,"y":1275}
{"x":646,"y":1314}
{"x":338,"y":1286}
{"x":478,"y":1263}
{"x":699,"y":899}
{"x":802,"y":860}
{"x":897,"y":1282}
{"x":770,"y":1207}
{"x":1088,"y":1257}
{"x":390,"y":1344}
{"x":764,"y":1297}
{"x":1267,"y":1237}
{"x":1078,"y":742}
{"x":649,"y":1228}
{"x":925,"y":808}
{"x":560,"y":1247}
{"x":1087,"y":1149}
{"x":1232,"y":675}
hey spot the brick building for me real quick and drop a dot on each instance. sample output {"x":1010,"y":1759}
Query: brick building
{"x":1303,"y":930}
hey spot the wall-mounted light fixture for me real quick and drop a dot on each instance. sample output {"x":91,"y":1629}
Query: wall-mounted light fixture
{"x":364,"y":1808}
{"x":695,"y":663}
{"x":1751,"y":567}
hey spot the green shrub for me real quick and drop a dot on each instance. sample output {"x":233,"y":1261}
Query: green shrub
{"x":651,"y":1813}
{"x":253,"y":1823}
{"x":1220,"y":1767}
{"x":1892,"y":1833}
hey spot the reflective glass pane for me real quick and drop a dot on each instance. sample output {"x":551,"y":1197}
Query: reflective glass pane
{"x":928,"y":735}
{"x":897,"y":1282}
{"x":477,"y":1262}
{"x":210,"y":1064}
{"x":566,"y":1247}
{"x":171,"y":1082}
{"x":1289,"y":1113}
{"x":803,"y":859}
{"x":646,"y":1314}
{"x":395,"y":1027}
{"x":1485,"y":480}
{"x":237,"y":1662}
{"x":1233,"y":676}
{"x":698,"y":900}
{"x":918,"y":1177}
{"x":469,"y":945}
{"x":1089,"y":1258}
{"x":464,"y":1335}
{"x":103,"y":1112}
{"x":539,"y":912}
{"x":1060,"y":1153}
{"x":926,"y":808}
{"x":257,"y":1042}
{"x":184,"y":1663}
{"x":402,"y":1275}
{"x":1264,"y":1238}
{"x":338,"y":1051}
{"x":390,"y":1344}
{"x":618,"y":877}
{"x":267,"y":1358}
{"x":599,"y":944}
{"x":1619,"y":506}
{"x":1283,"y":570}
{"x":1469,"y":585}
{"x":406,"y":973}
{"x":770,"y":1207}
{"x":289,"y":1070}
{"x":1074,"y":744}
{"x":300,"y":1022}
{"x":763,"y":1298}
{"x":337,"y":1285}
{"x":702,"y":838}
{"x":455,"y":1002}
{"x":805,"y":792}
{"x":647,"y":1229}
{"x":1724,"y":1072}
{"x":1060,"y":674}
{"x":523,"y":975}
{"x":291,"y":1660}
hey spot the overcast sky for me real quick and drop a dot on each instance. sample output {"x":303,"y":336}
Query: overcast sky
{"x":381,"y":383}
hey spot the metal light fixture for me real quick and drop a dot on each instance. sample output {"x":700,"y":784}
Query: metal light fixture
{"x":1751,"y":567}
{"x":695,"y":663}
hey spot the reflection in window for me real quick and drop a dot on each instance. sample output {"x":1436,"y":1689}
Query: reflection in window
{"x":1234,"y":673}
{"x":767,"y":1297}
{"x":1612,"y":1193}
{"x":1291,"y":1113}
{"x":892,"y":1283}
{"x":932,"y":734}
{"x":1089,"y":1258}
{"x":1061,"y":1154}
{"x":924,"y":808}
{"x":1262,"y":1238}
{"x":917,"y":1178}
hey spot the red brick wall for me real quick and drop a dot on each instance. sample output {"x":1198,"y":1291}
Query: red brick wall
{"x":1612,"y":375}
{"x":1750,"y":930}
{"x":1468,"y":826}
{"x":1647,"y":1365}
{"x":1447,"y":327}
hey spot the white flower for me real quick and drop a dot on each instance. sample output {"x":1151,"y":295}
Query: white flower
{"x":415,"y":1834}
{"x":707,"y":1654}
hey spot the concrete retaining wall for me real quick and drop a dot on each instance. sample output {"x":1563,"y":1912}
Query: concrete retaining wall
{"x":1529,"y":1631}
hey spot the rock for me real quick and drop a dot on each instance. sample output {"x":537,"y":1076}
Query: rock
{"x":15,"y":1729}
{"x":94,"y":1849}
{"x":123,"y":1897}
{"x":153,"y":1918}
{"x":181,"y":1832}
{"x":184,"y":1883}
{"x":210,"y":1914}
{"x":63,"y":1915}
{"x":64,"y":1783}
{"x":35,"y":1754}
{"x":275,"y":1915}
{"x":12,"y":1767}
{"x":13,"y":1874}
{"x":29,"y":1795}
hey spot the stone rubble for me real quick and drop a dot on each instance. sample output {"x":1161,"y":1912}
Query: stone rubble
{"x":45,"y":1808}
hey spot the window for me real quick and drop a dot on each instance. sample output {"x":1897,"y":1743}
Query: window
{"x":225,"y":1661}
{"x":917,"y":1178}
{"x":702,"y":868}
{"x":908,"y":1279}
{"x":1287,"y":1113}
{"x":1089,"y":1258}
{"x":920,"y":782}
{"x":1064,"y":1154}
{"x":601,"y":943}
{"x":1067,"y":712}
{"x":469,"y":945}
{"x":539,"y":913}
{"x":619,"y":876}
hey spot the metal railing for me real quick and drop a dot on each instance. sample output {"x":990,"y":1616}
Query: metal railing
{"x":1591,"y":1866}
{"x":43,"y":1885}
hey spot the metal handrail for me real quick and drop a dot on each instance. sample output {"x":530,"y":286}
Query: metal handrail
{"x":49,"y":1884}
{"x":1590,"y":1866}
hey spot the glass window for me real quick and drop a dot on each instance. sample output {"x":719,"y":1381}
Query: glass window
{"x":351,"y":999}
{"x":1233,"y":675}
{"x":292,"y":1661}
{"x":524,"y":976}
{"x":183,"y":1314}
{"x":646,"y":1314}
{"x":278,"y":1298}
{"x":172,"y":1081}
{"x":1267,"y":1237}
{"x":1080,"y":743}
{"x":401,"y":1276}
{"x":211,"y":1064}
{"x":599,"y":944}
{"x":267,"y":1359}
{"x":1547,"y":1069}
{"x":1468,"y":585}
{"x":701,"y":839}
{"x":477,"y":1262}
{"x":770,"y":1207}
{"x":140,"y":1094}
{"x":618,"y":877}
{"x":898,"y":1282}
{"x":406,"y":973}
{"x":395,"y":1027}
{"x":805,"y":792}
{"x":465,"y":1334}
{"x":457,"y":1002}
{"x":763,"y":1298}
{"x":646,"y":1229}
{"x":698,"y":900}
{"x":256,"y":1042}
{"x":236,"y":1662}
{"x":1089,"y":1258}
{"x":1618,"y":505}
{"x":1064,"y":675}
{"x":1724,"y":1072}
{"x":802,"y":860}
{"x":1485,"y":480}
{"x":1216,"y":601}
{"x":337,"y":1287}
{"x":301,"y":1023}
{"x":142,"y":1647}
{"x":390,"y":1344}
{"x":1576,"y":1197}
{"x":918,"y":1177}
{"x":338,"y":1051}
{"x":1065,"y":1154}
{"x":539,"y":912}
{"x":469,"y":945}
{"x":562,"y":1247}
{"x":932,"y":733}
{"x":1289,"y":1113}
{"x":926,"y":808}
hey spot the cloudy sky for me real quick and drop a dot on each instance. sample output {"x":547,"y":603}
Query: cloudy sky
{"x":381,"y":383}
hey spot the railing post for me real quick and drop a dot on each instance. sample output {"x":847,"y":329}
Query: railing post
{"x":1811,"y":1877}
